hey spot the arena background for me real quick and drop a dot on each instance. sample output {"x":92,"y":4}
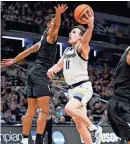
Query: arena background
{"x":22,"y":24}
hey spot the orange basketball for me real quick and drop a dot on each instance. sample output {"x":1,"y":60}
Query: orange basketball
{"x":80,"y":11}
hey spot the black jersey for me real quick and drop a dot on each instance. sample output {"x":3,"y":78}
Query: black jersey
{"x":47,"y":52}
{"x":122,"y":78}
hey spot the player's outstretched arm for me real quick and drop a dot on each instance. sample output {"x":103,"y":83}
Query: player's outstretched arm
{"x":128,"y":58}
{"x":8,"y":62}
{"x":88,"y":34}
{"x":56,"y":68}
{"x":53,"y":32}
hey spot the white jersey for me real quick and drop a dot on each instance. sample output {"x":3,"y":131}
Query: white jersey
{"x":75,"y":67}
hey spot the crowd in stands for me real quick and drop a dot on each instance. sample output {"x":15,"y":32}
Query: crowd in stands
{"x":14,"y":103}
{"x":33,"y":13}
{"x":102,"y":80}
{"x":36,"y":12}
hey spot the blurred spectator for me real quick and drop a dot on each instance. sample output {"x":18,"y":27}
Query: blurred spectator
{"x":89,"y":113}
{"x":2,"y":114}
{"x":62,"y":120}
{"x":14,"y":110}
{"x":98,"y":110}
{"x":104,"y":119}
{"x":63,"y":98}
{"x":91,"y":118}
{"x":10,"y":118}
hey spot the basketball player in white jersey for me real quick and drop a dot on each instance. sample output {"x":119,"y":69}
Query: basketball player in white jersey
{"x":74,"y":63}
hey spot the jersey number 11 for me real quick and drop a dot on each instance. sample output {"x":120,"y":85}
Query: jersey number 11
{"x":67,"y":64}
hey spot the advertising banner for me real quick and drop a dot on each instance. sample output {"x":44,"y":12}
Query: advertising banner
{"x":60,"y":135}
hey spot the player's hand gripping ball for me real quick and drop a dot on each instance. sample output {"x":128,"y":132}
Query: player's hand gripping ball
{"x":81,"y":11}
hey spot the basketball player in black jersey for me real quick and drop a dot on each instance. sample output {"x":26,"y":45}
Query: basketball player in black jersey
{"x":119,"y":105}
{"x":38,"y":94}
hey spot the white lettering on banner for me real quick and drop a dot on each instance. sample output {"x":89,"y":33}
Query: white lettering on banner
{"x":110,"y":137}
{"x":11,"y":137}
{"x":107,"y":137}
{"x":59,"y":140}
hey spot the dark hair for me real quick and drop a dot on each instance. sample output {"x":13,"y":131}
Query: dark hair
{"x":50,"y":17}
{"x":82,"y":28}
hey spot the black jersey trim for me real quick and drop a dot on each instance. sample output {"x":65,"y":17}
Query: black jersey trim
{"x":79,"y":54}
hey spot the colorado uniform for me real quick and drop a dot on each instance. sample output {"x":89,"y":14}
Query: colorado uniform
{"x":76,"y":76}
{"x":119,"y":105}
{"x":37,"y":80}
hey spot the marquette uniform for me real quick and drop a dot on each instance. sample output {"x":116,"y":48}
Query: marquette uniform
{"x":37,"y":81}
{"x":76,"y":75}
{"x":119,"y":105}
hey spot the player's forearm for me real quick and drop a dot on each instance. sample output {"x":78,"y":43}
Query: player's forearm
{"x":88,"y":35}
{"x":57,"y":21}
{"x":56,"y":68}
{"x":21,"y":56}
{"x":26,"y":53}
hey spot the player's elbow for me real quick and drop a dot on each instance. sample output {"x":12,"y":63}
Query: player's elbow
{"x":34,"y":48}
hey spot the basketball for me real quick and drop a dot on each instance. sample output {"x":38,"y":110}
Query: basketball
{"x":80,"y":11}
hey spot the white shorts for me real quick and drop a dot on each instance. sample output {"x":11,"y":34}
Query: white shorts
{"x":83,"y":91}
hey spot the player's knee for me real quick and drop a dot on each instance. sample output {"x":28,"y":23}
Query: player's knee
{"x":42,"y":116}
{"x":68,"y":110}
{"x":30,"y":113}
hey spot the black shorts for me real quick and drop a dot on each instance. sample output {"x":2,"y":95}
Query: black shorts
{"x":37,"y":82}
{"x":119,"y":117}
